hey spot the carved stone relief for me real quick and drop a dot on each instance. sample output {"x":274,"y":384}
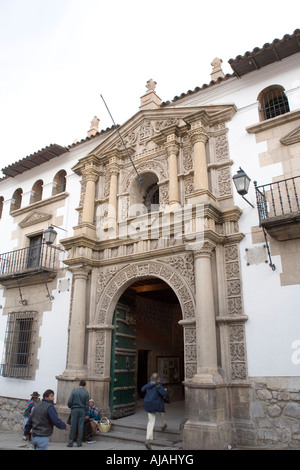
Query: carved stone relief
{"x":224,"y":182}
{"x":187,"y":160}
{"x":237,"y":352}
{"x":177,"y":271}
{"x":237,"y":339}
{"x":190,"y":342}
{"x":138,"y":138}
{"x":153,"y":166}
{"x":99,"y":353}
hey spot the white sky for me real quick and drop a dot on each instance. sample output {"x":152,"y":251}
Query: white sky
{"x":58,"y":56}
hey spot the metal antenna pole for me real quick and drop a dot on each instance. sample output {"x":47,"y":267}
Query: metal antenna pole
{"x":123,"y":143}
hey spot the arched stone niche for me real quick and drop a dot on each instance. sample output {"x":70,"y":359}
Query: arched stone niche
{"x":113,"y":281}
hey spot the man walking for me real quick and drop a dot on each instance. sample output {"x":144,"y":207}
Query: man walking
{"x":41,"y":421}
{"x":79,"y":404}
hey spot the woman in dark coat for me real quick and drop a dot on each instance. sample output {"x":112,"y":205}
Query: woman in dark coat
{"x":154,"y":403}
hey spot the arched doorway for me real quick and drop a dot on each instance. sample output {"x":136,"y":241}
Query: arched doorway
{"x":147,"y":337}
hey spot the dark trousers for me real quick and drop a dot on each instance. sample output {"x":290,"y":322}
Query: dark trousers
{"x":77,"y":423}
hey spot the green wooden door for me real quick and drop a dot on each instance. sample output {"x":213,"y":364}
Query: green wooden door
{"x":123,"y":363}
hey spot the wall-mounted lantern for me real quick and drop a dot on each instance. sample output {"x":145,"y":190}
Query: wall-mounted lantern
{"x":241,"y":182}
{"x":49,"y":235}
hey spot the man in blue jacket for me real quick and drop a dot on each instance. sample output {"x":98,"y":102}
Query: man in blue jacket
{"x":154,"y":403}
{"x":79,"y":404}
{"x":41,"y":421}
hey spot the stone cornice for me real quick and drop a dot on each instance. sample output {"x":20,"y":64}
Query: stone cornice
{"x":37,"y":205}
{"x":274,"y":122}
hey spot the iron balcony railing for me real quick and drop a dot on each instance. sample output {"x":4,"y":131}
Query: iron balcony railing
{"x":279,"y":199}
{"x":39,"y":257}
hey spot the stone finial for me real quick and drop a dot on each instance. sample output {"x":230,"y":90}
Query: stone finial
{"x":151,"y":85}
{"x":150,"y":100}
{"x":217,"y":71}
{"x":94,"y":126}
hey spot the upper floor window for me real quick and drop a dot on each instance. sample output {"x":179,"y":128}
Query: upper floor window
{"x":36,"y":192}
{"x":144,"y":199}
{"x":16,"y":200}
{"x":59,"y":182}
{"x":272,"y":102}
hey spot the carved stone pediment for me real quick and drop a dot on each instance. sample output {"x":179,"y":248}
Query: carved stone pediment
{"x":292,"y":137}
{"x":148,"y":130}
{"x":35,"y":217}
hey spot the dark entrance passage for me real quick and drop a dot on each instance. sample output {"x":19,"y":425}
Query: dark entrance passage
{"x":146,"y":338}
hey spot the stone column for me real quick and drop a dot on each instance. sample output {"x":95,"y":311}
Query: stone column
{"x":114,"y":170}
{"x":75,"y":365}
{"x":91,"y":176}
{"x":207,"y":367}
{"x":199,"y":139}
{"x":208,"y":424}
{"x":172,"y":150}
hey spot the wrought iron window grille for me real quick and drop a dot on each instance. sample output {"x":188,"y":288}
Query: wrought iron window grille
{"x":17,"y":360}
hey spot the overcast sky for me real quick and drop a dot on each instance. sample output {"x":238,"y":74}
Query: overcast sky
{"x":58,"y":56}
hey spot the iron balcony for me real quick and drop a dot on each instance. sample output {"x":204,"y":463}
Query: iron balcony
{"x":278,"y":205}
{"x":28,"y":261}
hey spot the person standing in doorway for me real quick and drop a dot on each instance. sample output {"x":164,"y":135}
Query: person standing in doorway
{"x":41,"y":421}
{"x":154,"y":402}
{"x":79,"y":404}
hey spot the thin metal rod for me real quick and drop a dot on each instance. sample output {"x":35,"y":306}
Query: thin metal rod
{"x":60,"y":228}
{"x":22,"y":301}
{"x":123,"y":143}
{"x":271,"y":264}
{"x":248,"y":201}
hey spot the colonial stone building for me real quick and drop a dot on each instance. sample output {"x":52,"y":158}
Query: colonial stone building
{"x":163,"y":266}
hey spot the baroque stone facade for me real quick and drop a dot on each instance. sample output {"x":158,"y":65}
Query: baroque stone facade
{"x":187,"y":242}
{"x":161,"y":259}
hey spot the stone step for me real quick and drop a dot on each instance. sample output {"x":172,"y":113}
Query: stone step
{"x":168,"y":438}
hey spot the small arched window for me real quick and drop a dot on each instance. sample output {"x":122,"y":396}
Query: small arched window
{"x":16,"y":200}
{"x":145,"y":198}
{"x":36,"y":192}
{"x":59,"y":182}
{"x":272,"y":102}
{"x":1,"y":206}
{"x":152,"y":198}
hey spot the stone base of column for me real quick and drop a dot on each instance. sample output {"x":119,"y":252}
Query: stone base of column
{"x":201,"y":196}
{"x":208,"y":378}
{"x":85,"y":229}
{"x":206,"y":436}
{"x":207,"y":375}
{"x":208,"y":425}
{"x":58,"y":434}
{"x":173,"y":206}
{"x":66,"y":383}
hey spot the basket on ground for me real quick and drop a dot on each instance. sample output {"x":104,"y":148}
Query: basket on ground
{"x":104,"y":425}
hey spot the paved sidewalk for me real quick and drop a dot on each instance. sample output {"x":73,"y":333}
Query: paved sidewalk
{"x":14,"y":441}
{"x":174,"y":415}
